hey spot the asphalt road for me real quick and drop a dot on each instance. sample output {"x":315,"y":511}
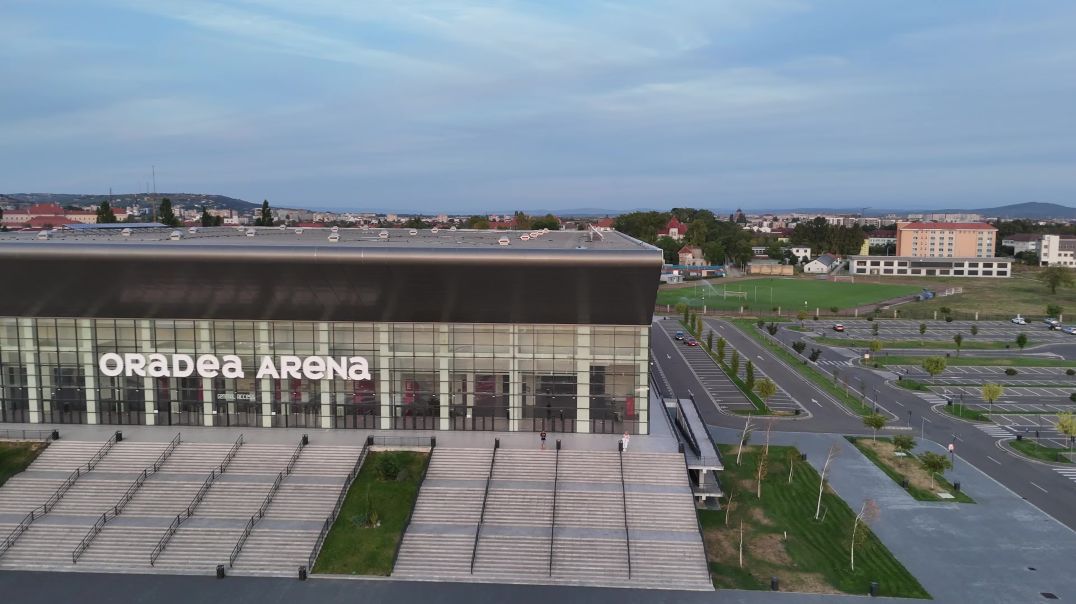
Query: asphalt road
{"x":1038,"y":483}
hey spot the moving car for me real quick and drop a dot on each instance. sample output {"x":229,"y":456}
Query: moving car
{"x":1018,"y":320}
{"x":691,"y":342}
{"x":838,"y":327}
{"x":679,"y":335}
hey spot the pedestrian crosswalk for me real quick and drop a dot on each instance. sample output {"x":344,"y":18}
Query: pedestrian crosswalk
{"x":1069,"y":473}
{"x":841,"y":363}
{"x":995,"y":431}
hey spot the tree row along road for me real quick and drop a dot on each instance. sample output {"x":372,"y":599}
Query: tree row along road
{"x":1035,"y":482}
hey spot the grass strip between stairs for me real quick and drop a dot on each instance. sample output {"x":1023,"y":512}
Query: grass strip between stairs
{"x":16,"y":457}
{"x":363,"y":539}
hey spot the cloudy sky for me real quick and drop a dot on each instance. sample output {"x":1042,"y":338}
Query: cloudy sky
{"x":497,"y":105}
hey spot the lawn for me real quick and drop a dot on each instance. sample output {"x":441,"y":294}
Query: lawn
{"x":992,"y":298}
{"x":963,"y":412}
{"x":883,"y":454}
{"x":16,"y":457}
{"x":1034,"y":450}
{"x":788,"y":293}
{"x":809,"y":371}
{"x":364,"y":538}
{"x":895,"y":359}
{"x":782,"y":539}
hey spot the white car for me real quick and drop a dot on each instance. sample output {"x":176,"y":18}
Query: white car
{"x":1018,"y":320}
{"x":1051,"y":322}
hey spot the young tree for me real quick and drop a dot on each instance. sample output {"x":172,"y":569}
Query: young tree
{"x":867,"y":514}
{"x":791,"y":458}
{"x":1066,"y":424}
{"x":735,"y":364}
{"x":802,"y":316}
{"x":875,"y":346}
{"x":834,"y":451}
{"x":815,"y":354}
{"x":104,"y":213}
{"x":721,"y":349}
{"x":935,"y":464}
{"x":934,"y":366}
{"x":903,"y":443}
{"x":991,"y":393}
{"x":749,"y":375}
{"x":687,"y":315}
{"x":710,"y":340}
{"x":765,"y":388}
{"x":799,"y":346}
{"x":730,"y":501}
{"x":761,"y":470}
{"x":698,"y":326}
{"x":741,"y":544}
{"x":958,"y":339}
{"x":743,"y":439}
{"x":974,"y":330}
{"x":875,"y":421}
{"x":265,"y":217}
{"x":1055,"y":277}
{"x":1021,"y":340}
{"x":922,"y":330}
{"x":874,"y":328}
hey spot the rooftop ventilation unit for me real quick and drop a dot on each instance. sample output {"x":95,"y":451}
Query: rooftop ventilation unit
{"x":239,"y":227}
{"x":334,"y":237}
{"x":43,"y":235}
{"x":453,"y":228}
{"x":250,"y":232}
{"x":126,"y":232}
{"x":434,"y":230}
{"x":175,"y":236}
{"x":335,"y":229}
{"x":412,"y":232}
{"x":383,"y":235}
{"x":503,"y":241}
{"x":298,"y":230}
{"x":364,"y":227}
{"x":283,"y":227}
{"x":524,"y":237}
{"x":535,"y":234}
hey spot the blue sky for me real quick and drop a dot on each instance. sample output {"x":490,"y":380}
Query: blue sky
{"x":492,"y":106}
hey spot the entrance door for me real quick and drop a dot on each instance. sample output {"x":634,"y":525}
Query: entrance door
{"x":67,"y":404}
{"x":297,"y":415}
{"x":14,"y":398}
{"x":554,"y":409}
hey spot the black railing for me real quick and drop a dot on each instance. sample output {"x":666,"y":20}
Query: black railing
{"x":411,"y":508}
{"x":42,"y":435}
{"x":163,"y":457}
{"x":258,"y":515}
{"x":485,"y":497}
{"x":325,"y":526}
{"x":553,"y":514}
{"x":624,"y":501}
{"x":193,"y":505}
{"x":55,"y":498}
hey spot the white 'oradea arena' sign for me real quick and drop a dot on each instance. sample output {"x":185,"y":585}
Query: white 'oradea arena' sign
{"x":230,"y":366}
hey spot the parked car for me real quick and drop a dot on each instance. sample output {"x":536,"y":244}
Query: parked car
{"x":838,"y":327}
{"x":1051,"y":322}
{"x":1018,"y":320}
{"x":679,"y":335}
{"x":691,"y":342}
{"x":1069,"y":330}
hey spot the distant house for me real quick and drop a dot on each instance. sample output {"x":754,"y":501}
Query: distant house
{"x":800,"y":252}
{"x":674,"y":229}
{"x":822,"y":265}
{"x":1023,"y":242}
{"x":691,"y":255}
{"x":882,"y":237}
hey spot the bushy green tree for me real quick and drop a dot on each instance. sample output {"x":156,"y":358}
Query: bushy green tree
{"x":105,"y":214}
{"x":166,"y":215}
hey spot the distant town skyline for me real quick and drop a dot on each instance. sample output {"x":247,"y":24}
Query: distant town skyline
{"x":414,"y":106}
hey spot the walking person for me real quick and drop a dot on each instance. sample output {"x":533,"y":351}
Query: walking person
{"x":624,"y":441}
{"x":543,"y":441}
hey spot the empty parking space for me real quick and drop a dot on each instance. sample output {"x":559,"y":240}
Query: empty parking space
{"x":942,"y":331}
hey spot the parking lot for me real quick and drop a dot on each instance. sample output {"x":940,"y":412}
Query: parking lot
{"x":900,"y":329}
{"x":719,"y":386}
{"x":964,"y":374}
{"x":1014,"y":395}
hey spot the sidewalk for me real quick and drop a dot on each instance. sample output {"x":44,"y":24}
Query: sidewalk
{"x":960,"y":552}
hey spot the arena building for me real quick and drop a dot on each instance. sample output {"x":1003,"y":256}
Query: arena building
{"x":355,"y":328}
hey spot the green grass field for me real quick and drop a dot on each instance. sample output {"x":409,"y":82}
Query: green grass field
{"x":16,"y":457}
{"x":788,"y":293}
{"x":1034,"y":450}
{"x":354,"y":548}
{"x":782,"y":539}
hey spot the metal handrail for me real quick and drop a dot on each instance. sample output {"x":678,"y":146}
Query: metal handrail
{"x":193,"y":505}
{"x":624,"y":500}
{"x":685,"y":425}
{"x":411,"y":508}
{"x":258,"y":515}
{"x":485,"y":497}
{"x":124,"y":499}
{"x":553,"y":514}
{"x":325,"y":526}
{"x":55,"y":498}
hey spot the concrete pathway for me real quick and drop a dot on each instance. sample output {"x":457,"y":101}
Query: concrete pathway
{"x":982,"y":552}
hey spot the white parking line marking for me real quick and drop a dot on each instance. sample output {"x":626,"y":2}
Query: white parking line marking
{"x":1038,"y":487}
{"x":816,"y":402}
{"x":993,"y":460}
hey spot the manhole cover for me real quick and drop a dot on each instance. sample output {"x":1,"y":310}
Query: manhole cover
{"x":1048,"y":595}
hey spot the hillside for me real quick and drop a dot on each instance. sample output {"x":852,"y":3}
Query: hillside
{"x":178,"y":199}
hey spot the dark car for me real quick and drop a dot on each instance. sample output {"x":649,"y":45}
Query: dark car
{"x":679,"y":335}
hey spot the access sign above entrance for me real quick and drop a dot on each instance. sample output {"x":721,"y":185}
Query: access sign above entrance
{"x":114,"y":364}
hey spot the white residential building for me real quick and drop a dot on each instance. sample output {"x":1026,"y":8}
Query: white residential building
{"x":1055,"y":250}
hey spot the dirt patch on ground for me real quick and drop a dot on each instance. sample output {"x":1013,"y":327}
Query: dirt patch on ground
{"x":769,"y":547}
{"x":760,"y":517}
{"x":721,"y":544}
{"x":806,"y":582}
{"x":917,"y":476}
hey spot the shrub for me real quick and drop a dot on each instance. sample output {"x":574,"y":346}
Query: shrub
{"x":387,"y":468}
{"x":760,"y":323}
{"x":815,"y":353}
{"x":775,"y":308}
{"x":772,"y":328}
{"x":799,"y":346}
{"x":816,"y":317}
{"x":945,"y":310}
{"x":834,"y":309}
{"x":870,"y":317}
{"x":1070,"y":372}
{"x":948,"y":318}
{"x":1010,"y":371}
{"x":1072,"y":397}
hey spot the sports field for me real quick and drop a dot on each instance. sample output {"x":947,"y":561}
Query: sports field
{"x":787,"y":293}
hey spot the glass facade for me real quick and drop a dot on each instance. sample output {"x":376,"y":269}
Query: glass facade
{"x":426,"y":376}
